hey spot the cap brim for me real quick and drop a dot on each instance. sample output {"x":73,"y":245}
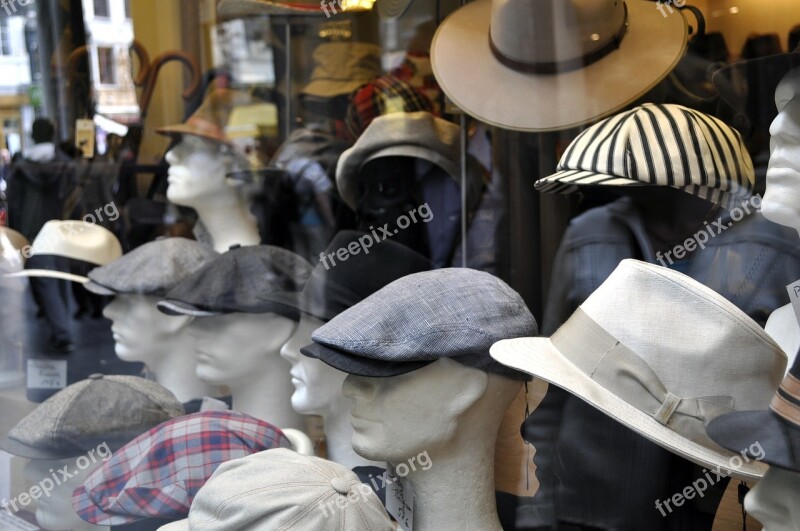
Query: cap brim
{"x":176,"y":307}
{"x":325,"y":88}
{"x":81,"y":498}
{"x":173,"y":307}
{"x":570,"y":181}
{"x":19,"y":449}
{"x":98,"y":289}
{"x":46,"y":273}
{"x":180,"y":130}
{"x":778,"y":441}
{"x":540,"y":358}
{"x":360,"y":366}
{"x":460,"y":54}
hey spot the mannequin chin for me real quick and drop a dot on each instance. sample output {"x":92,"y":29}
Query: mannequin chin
{"x":773,"y":501}
{"x":54,"y":511}
{"x":318,"y":386}
{"x":781,"y":202}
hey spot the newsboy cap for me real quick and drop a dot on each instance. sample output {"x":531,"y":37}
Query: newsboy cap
{"x":418,"y":319}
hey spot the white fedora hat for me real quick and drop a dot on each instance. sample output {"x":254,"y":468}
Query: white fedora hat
{"x":545,"y":65}
{"x":77,"y":240}
{"x":662,"y":354}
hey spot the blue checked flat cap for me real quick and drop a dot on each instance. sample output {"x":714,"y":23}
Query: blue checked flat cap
{"x":420,"y":318}
{"x":152,"y":269}
{"x":158,"y":474}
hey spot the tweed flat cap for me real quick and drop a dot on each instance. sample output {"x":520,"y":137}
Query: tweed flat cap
{"x":158,"y":474}
{"x":420,"y":318}
{"x":101,"y":409}
{"x":152,"y":269}
{"x":240,"y":281}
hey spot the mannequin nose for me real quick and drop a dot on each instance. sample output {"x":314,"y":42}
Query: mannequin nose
{"x":172,"y":156}
{"x":289,"y":352}
{"x":359,"y":387}
{"x":112,"y":310}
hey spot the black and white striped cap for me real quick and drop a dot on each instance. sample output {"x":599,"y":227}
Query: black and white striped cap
{"x":664,"y":145}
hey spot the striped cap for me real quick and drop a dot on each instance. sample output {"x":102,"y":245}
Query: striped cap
{"x":666,"y":145}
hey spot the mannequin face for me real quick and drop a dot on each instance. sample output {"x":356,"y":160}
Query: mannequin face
{"x":55,"y":512}
{"x":197,"y":170}
{"x":318,"y":386}
{"x":231,"y":348}
{"x":781,"y":202}
{"x":398,"y":417}
{"x":140,"y":330}
{"x":773,"y":502}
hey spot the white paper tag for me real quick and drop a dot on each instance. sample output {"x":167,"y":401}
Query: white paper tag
{"x":400,"y":499}
{"x":84,"y":137}
{"x":794,"y":296}
{"x":47,"y":374}
{"x":9,"y":522}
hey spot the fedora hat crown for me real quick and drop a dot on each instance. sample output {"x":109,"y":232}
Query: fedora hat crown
{"x":551,"y":36}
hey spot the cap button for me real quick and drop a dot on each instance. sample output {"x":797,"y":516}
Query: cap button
{"x":235,"y":246}
{"x":96,"y":376}
{"x":341,"y":485}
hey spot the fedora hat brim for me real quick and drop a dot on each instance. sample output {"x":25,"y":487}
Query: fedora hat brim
{"x":47,"y":273}
{"x":481,"y":86}
{"x":540,"y":358}
{"x":231,"y":9}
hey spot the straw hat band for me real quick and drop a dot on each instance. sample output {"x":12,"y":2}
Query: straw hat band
{"x":567,"y":65}
{"x":786,"y":402}
{"x":623,"y":372}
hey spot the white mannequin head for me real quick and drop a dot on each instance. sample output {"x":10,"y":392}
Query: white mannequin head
{"x":197,"y":170}
{"x":318,"y":386}
{"x":773,"y":502}
{"x":234,"y":348}
{"x":781,"y":202}
{"x":141,"y":332}
{"x":54,"y":512}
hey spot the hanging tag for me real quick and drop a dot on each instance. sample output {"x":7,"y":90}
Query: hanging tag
{"x":400,"y":499}
{"x":794,"y":296}
{"x":84,"y":137}
{"x":47,"y":374}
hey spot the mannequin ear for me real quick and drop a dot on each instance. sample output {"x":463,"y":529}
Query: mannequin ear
{"x":176,"y":323}
{"x":472,"y":385}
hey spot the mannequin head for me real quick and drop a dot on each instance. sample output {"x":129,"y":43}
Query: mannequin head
{"x":318,"y":386}
{"x":781,"y":202}
{"x":141,"y":332}
{"x":55,"y":512}
{"x":773,"y":502}
{"x":233,"y":348}
{"x":197,"y":172}
{"x":426,"y":410}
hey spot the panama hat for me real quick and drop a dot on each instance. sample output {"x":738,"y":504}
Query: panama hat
{"x":77,"y":240}
{"x":662,"y":354}
{"x":545,"y":65}
{"x":661,"y":145}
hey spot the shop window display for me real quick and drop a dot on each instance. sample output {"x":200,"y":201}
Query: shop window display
{"x":323,"y":237}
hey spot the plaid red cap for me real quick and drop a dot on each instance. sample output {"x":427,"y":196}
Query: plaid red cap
{"x":383,"y":95}
{"x":158,"y":474}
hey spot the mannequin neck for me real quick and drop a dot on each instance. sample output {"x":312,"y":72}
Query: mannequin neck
{"x":266,"y":394}
{"x":339,"y":437}
{"x":782,"y":326}
{"x":171,"y":370}
{"x":228,"y":222}
{"x":465,"y":466}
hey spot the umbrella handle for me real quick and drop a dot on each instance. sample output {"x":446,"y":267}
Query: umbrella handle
{"x":155,"y":68}
{"x":144,"y":62}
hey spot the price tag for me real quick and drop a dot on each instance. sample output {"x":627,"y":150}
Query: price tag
{"x":47,"y":374}
{"x":84,"y":137}
{"x":400,"y":499}
{"x":794,"y":296}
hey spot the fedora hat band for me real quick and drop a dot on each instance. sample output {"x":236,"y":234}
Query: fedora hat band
{"x":558,"y":67}
{"x":619,"y":370}
{"x":786,"y":402}
{"x":207,"y":127}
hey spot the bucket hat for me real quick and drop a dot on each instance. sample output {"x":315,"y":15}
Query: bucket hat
{"x":776,"y":430}
{"x":749,"y":86}
{"x":662,"y":354}
{"x":282,"y":490}
{"x":546,"y":65}
{"x":152,"y":269}
{"x":419,"y":135}
{"x":421,"y":318}
{"x":240,"y":281}
{"x":77,"y":240}
{"x":342,"y":67}
{"x":101,"y":409}
{"x":158,"y":474}
{"x":332,"y":289}
{"x":663,"y":145}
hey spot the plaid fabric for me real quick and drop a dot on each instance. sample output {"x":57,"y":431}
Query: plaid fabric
{"x":384,"y":95}
{"x":159,"y":473}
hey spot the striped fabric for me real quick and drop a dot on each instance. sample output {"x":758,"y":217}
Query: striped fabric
{"x":665,"y":145}
{"x":158,"y":474}
{"x":786,"y":402}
